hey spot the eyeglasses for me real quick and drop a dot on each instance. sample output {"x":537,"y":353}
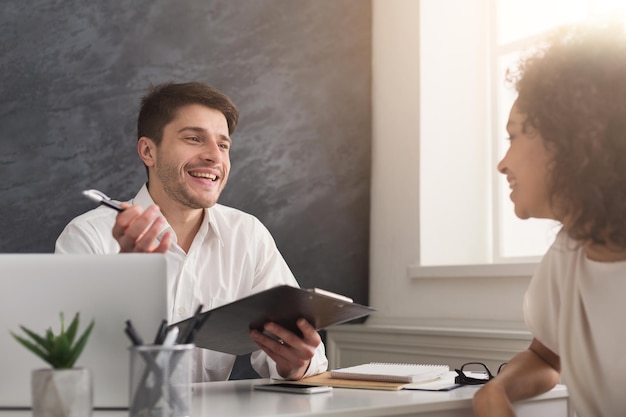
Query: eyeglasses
{"x":474,"y":373}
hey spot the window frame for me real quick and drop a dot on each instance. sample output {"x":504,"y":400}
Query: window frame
{"x":498,"y":265}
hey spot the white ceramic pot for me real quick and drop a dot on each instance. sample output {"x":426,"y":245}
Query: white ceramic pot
{"x":62,"y":392}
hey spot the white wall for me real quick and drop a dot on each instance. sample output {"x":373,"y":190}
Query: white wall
{"x":455,"y":161}
{"x":487,"y":303}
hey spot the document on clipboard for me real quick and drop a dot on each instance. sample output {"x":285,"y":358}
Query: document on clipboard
{"x":226,"y":328}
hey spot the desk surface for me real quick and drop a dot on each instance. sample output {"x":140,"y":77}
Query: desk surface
{"x":237,"y":398}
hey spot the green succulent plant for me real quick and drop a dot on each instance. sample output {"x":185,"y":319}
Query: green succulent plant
{"x":59,"y":351}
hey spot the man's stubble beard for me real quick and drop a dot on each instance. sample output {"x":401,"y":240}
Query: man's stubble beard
{"x":178,"y":190}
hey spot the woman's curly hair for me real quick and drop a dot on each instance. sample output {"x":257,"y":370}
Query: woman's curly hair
{"x":573,"y":91}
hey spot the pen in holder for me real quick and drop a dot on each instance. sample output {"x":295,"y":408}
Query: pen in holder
{"x":160,"y":380}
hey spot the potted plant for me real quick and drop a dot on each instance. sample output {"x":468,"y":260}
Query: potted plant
{"x":62,"y":390}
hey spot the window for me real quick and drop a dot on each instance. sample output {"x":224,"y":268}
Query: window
{"x":466,"y":216}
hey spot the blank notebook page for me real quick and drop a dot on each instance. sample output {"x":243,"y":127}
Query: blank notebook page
{"x":391,"y":372}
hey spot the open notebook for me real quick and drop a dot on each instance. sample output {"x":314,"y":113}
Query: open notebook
{"x":391,"y":372}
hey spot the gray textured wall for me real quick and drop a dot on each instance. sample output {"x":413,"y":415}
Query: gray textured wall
{"x":73,"y":73}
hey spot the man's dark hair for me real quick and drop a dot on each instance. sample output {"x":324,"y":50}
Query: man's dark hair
{"x":160,"y":105}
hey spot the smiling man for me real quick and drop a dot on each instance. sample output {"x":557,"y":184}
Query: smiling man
{"x":215,"y":254}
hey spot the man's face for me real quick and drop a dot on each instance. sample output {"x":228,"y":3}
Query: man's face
{"x":526,"y":168}
{"x":192,"y":162}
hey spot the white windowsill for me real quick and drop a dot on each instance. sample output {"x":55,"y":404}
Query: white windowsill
{"x":525,"y":269}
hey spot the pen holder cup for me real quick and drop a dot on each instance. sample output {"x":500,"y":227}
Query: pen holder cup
{"x":160,"y":380}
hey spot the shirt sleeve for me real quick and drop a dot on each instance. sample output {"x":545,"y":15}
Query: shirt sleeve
{"x":89,"y":233}
{"x":542,"y":299}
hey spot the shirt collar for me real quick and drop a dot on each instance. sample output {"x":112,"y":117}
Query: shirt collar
{"x":142,"y":198}
{"x":209,"y":217}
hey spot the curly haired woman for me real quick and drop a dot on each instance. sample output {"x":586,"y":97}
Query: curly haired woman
{"x":567,"y":161}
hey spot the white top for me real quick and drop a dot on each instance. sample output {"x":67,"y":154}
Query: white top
{"x":577,"y":308}
{"x":232,"y":256}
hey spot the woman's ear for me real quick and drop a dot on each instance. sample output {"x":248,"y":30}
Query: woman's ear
{"x":146,"y":148}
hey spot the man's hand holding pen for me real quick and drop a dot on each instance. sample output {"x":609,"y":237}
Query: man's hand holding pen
{"x":137,"y":230}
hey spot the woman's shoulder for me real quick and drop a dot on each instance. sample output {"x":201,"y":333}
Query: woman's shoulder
{"x":564,"y":243}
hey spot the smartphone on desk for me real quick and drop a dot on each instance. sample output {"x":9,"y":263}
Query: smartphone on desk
{"x":293,"y":388}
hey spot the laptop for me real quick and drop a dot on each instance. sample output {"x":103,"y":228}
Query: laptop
{"x":110,"y":289}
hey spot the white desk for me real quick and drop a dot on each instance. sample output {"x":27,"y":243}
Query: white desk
{"x":237,"y":399}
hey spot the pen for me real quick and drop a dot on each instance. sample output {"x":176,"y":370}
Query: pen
{"x":200,"y":319}
{"x":170,"y":338}
{"x":188,"y":334}
{"x":152,"y":366}
{"x":150,"y":385}
{"x":161,"y":362}
{"x":132,"y":334}
{"x":161,"y":332}
{"x":102,"y":198}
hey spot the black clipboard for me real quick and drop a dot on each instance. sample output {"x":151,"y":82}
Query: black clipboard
{"x":226,"y":328}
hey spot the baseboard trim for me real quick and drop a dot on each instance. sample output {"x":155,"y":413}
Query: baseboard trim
{"x":352,"y":344}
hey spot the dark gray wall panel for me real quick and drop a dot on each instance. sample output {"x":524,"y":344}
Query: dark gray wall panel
{"x":299,"y":70}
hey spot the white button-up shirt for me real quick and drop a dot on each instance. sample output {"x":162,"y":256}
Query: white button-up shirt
{"x":232,"y":256}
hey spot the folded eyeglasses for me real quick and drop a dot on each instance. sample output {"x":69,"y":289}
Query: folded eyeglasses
{"x":474,"y":373}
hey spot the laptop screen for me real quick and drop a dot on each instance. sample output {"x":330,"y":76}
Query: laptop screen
{"x":110,"y":289}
